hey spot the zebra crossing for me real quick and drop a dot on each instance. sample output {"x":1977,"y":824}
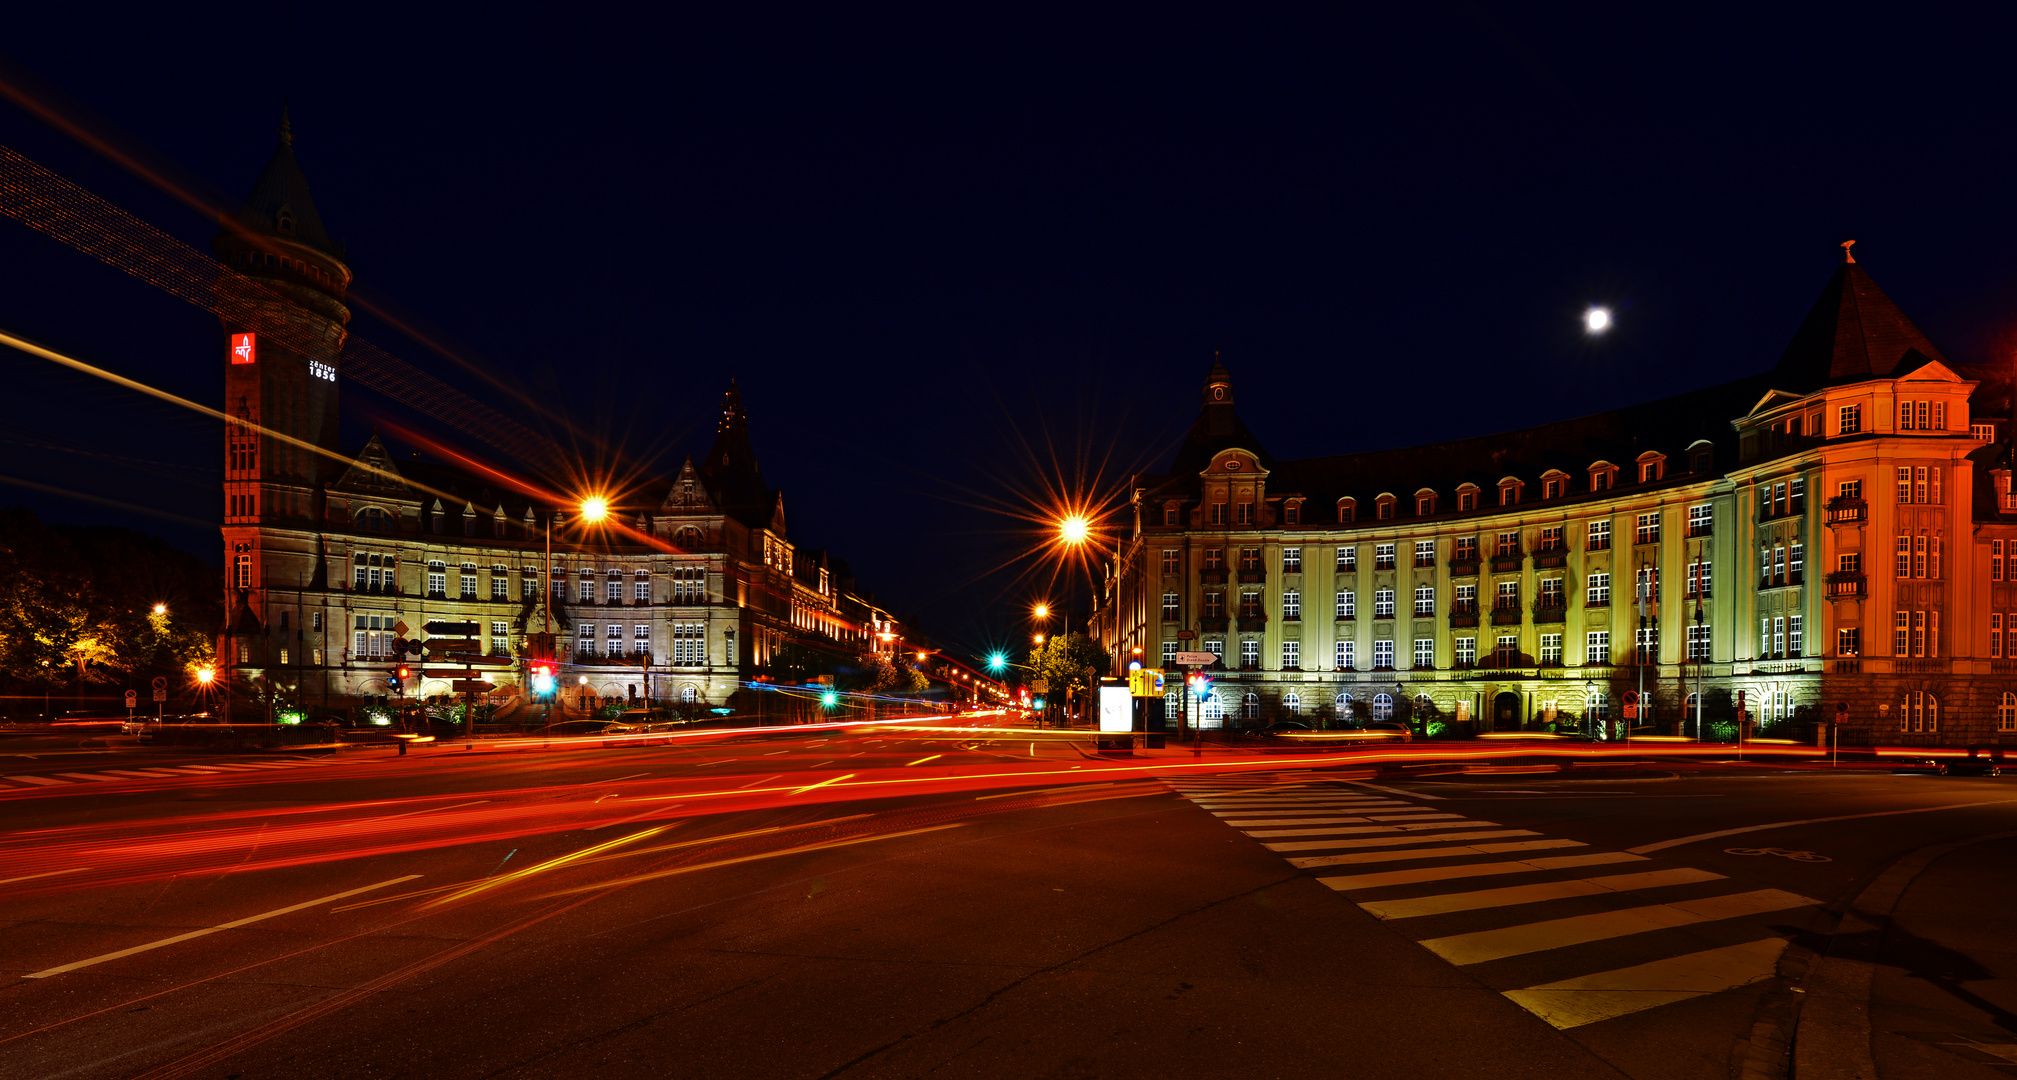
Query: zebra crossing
{"x":1525,"y":913}
{"x":32,"y":781}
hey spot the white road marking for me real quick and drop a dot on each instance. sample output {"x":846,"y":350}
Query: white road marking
{"x":1397,"y":841}
{"x":1476,"y":948}
{"x":1719,"y":834}
{"x":1586,"y":1000}
{"x":1535,"y":893}
{"x":1442,"y":852}
{"x":1377,"y":830}
{"x":1395,"y":791}
{"x":1402,"y":823}
{"x":206,"y":931}
{"x":1469,"y":870}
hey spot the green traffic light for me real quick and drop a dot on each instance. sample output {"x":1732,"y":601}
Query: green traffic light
{"x":829,"y":699}
{"x":996,"y":661}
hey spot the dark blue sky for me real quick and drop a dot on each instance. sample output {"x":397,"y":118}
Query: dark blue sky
{"x":921,"y":242}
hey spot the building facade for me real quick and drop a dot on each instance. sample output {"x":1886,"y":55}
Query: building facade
{"x":1832,"y":540}
{"x":336,"y":561}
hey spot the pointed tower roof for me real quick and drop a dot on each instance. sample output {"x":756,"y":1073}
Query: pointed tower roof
{"x":730,"y":469}
{"x":1853,"y":332}
{"x":1218,"y":427}
{"x":280,"y":204}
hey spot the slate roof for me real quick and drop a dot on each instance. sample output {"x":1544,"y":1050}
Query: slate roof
{"x":283,"y":186}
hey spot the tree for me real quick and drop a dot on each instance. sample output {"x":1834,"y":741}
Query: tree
{"x":1060,"y":663}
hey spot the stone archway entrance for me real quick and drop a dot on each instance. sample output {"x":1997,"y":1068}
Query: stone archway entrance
{"x":1506,"y":712}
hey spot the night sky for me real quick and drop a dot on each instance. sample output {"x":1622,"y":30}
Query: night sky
{"x":957,"y":259}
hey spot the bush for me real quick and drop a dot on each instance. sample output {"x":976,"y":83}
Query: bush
{"x":1722,"y":731}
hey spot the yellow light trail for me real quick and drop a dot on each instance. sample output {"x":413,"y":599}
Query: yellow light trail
{"x":922,"y":760}
{"x":551,"y":864}
{"x":656,"y":874}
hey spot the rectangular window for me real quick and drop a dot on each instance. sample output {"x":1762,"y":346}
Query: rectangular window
{"x":1425,"y":553}
{"x":587,"y":591}
{"x":1648,"y":530}
{"x":1597,"y":647}
{"x":1850,"y":489}
{"x":1425,"y":505}
{"x":1901,"y":639}
{"x":1292,"y":604}
{"x":1346,"y":655}
{"x":1646,"y":585}
{"x":1250,"y":559}
{"x":1797,"y":494}
{"x":1383,"y":603}
{"x":1292,"y":512}
{"x":1169,"y":654}
{"x":1292,"y":560}
{"x":1849,"y":641}
{"x":1508,"y":544}
{"x":1553,"y":488}
{"x":1170,"y":561}
{"x":1218,"y":513}
{"x":1918,"y":633}
{"x":1698,"y":642}
{"x":1507,"y":652}
{"x":1245,"y":514}
{"x":640,"y":590}
{"x":1348,"y":558}
{"x":1383,"y":655}
{"x":1383,"y":557}
{"x":500,"y":588}
{"x":1646,"y":645}
{"x":1995,"y":560}
{"x":242,"y":571}
{"x":1250,"y":654}
{"x":1292,"y":656}
{"x":1467,"y":500}
{"x":1904,"y":483}
{"x":1467,"y":652}
{"x":1466,"y":600}
{"x":1551,"y":594}
{"x":1170,"y":611}
{"x":1215,"y":558}
{"x":1934,"y":496}
{"x":1700,"y":520}
{"x":1509,"y":596}
{"x":1778,"y":635}
{"x":1425,"y":652}
{"x":1250,"y":605}
{"x":1215,"y":605}
{"x":1216,"y":647}
{"x":1995,"y":635}
{"x":1796,"y":563}
{"x":1170,"y":513}
{"x":585,"y":644}
{"x":1849,"y":562}
{"x":1348,"y":605}
{"x":1796,"y":641}
{"x":1551,"y":539}
{"x":1904,"y":560}
{"x":1551,"y":650}
{"x":1600,"y":536}
{"x":1425,"y":600}
{"x":1848,"y":419}
{"x":1598,"y":594}
{"x":1919,"y":556}
{"x":1698,"y":580}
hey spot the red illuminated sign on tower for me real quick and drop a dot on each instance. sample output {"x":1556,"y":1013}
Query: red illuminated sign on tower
{"x":243,"y":349}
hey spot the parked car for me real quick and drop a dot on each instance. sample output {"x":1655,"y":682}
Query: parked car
{"x":1981,"y":761}
{"x":650,"y":719}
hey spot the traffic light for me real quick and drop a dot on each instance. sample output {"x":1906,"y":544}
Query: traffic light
{"x":542,"y":679}
{"x":1201,"y":686}
{"x":996,"y":661}
{"x":829,"y":699}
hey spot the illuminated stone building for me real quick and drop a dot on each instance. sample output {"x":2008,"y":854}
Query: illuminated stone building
{"x":334,"y":558}
{"x":1836,"y":531}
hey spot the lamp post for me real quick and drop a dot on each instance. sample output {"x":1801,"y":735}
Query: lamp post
{"x":593,"y":509}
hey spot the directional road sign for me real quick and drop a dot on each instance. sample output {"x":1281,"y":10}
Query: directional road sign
{"x":1196,"y":659}
{"x":453,"y":673}
{"x":469,"y":629}
{"x":472,"y":686}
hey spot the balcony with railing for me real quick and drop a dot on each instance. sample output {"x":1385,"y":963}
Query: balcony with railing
{"x":1847,"y":585}
{"x":1846,"y":511}
{"x":1508,"y":562}
{"x":1253,"y":576}
{"x":1507,"y":615}
{"x":1550,"y":557}
{"x":1215,"y":624}
{"x":1463,"y":613}
{"x":1464,"y":567}
{"x":1212,"y":576}
{"x":1253,"y":620}
{"x":1551,"y":609}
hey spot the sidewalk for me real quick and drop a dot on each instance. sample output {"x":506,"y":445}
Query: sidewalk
{"x":1943,"y":1000}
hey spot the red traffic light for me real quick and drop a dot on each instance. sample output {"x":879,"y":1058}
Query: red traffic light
{"x":403,"y":673}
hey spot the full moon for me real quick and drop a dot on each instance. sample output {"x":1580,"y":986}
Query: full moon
{"x":1596,"y":320}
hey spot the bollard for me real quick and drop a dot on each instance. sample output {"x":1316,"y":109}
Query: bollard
{"x":402,"y":748}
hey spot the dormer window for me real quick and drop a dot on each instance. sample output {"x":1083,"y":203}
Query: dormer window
{"x":1348,"y":511}
{"x":1702,"y":458}
{"x":286,"y":221}
{"x":1554,"y":484}
{"x":1383,"y":507}
{"x":1292,"y":512}
{"x":1467,"y":497}
{"x":1509,"y":491}
{"x":1171,"y":513}
{"x":1653,"y":466}
{"x":1602,"y":475}
{"x":1425,"y":503}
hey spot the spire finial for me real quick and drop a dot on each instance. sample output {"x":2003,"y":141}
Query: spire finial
{"x":1848,"y":255}
{"x":286,"y":126}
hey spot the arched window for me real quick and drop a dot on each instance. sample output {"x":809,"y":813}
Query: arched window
{"x":688,"y":695}
{"x":1597,"y":706}
{"x":2006,"y":713}
{"x":1212,"y":710}
{"x":1343,"y":705}
{"x":1252,"y":709}
{"x":437,"y":579}
{"x":1383,"y":707}
{"x":1292,"y":703}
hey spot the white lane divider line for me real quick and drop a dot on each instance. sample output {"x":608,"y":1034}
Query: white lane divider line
{"x":1590,"y":998}
{"x":1396,"y":791}
{"x":1483,"y":945}
{"x":1418,"y":827}
{"x":1423,"y":821}
{"x":208,"y":930}
{"x":1535,"y":893}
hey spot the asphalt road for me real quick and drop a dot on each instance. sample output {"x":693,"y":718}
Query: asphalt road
{"x":947,"y":902}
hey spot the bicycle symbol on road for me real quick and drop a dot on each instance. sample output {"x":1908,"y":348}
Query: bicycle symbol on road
{"x":1784,"y":853}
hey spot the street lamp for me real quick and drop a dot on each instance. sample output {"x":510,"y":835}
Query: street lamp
{"x":161,"y":609}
